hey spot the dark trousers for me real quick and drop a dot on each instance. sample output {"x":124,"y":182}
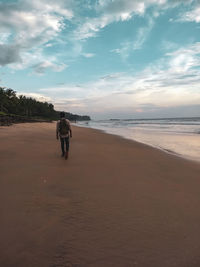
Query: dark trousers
{"x":64,"y":143}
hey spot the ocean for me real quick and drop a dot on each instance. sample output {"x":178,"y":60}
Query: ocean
{"x":180,"y":136}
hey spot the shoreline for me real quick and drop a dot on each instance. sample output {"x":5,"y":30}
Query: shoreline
{"x":168,"y":151}
{"x":114,"y":202}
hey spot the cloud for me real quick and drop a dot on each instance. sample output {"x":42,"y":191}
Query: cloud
{"x":32,"y":20}
{"x":4,"y":37}
{"x":143,"y":34}
{"x":167,"y":45}
{"x":135,"y":44}
{"x":68,"y":92}
{"x":111,"y":76}
{"x":32,"y":26}
{"x":91,"y":27}
{"x":125,"y":50}
{"x":193,"y":15}
{"x":111,"y":11}
{"x":28,"y":25}
{"x":40,"y":68}
{"x":88,"y":55}
{"x":35,"y":60}
{"x":119,"y":8}
{"x":186,"y":58}
{"x":170,"y":82}
{"x":38,"y":97}
{"x":9,"y":54}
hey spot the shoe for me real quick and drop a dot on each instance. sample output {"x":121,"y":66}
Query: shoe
{"x":66,"y":155}
{"x":62,"y":155}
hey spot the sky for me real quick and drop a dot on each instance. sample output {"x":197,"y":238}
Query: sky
{"x":104,"y":58}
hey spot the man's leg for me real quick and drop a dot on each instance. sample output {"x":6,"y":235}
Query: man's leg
{"x":67,"y":147}
{"x":67,"y":143}
{"x":62,"y":142}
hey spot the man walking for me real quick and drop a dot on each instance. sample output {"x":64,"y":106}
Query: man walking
{"x":63,"y":130}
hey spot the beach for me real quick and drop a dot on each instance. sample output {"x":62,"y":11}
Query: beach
{"x":114,"y":202}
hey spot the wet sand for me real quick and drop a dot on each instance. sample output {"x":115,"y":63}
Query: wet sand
{"x":114,"y":202}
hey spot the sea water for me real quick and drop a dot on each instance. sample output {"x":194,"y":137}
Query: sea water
{"x":180,"y":136}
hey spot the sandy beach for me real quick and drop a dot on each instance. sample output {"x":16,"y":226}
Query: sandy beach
{"x":114,"y":202}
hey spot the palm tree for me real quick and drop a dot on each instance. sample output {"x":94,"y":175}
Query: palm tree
{"x":3,"y":99}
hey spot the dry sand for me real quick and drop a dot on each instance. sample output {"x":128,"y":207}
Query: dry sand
{"x":114,"y":202}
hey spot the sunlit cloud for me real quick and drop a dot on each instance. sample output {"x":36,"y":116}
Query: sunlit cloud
{"x":38,"y":97}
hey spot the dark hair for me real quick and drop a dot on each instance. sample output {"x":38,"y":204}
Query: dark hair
{"x":62,"y":114}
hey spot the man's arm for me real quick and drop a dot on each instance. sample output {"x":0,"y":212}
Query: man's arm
{"x":70,"y":129}
{"x":57,"y":130}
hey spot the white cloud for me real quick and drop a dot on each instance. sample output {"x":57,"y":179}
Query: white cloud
{"x":31,"y":24}
{"x":66,"y":91}
{"x":193,"y":11}
{"x":88,"y":55}
{"x":38,"y":97}
{"x":167,"y":45}
{"x":91,"y":27}
{"x":143,"y":34}
{"x":184,"y":59}
{"x":111,"y":11}
{"x":182,"y":62}
{"x":40,"y":68}
{"x":124,"y":50}
{"x":192,"y":15}
{"x":137,"y":43}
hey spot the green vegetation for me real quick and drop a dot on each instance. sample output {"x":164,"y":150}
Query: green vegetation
{"x":28,"y":107}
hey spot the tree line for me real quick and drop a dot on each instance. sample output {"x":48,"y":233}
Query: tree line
{"x":11,"y":104}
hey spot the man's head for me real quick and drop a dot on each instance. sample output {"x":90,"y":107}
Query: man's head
{"x":62,"y":115}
